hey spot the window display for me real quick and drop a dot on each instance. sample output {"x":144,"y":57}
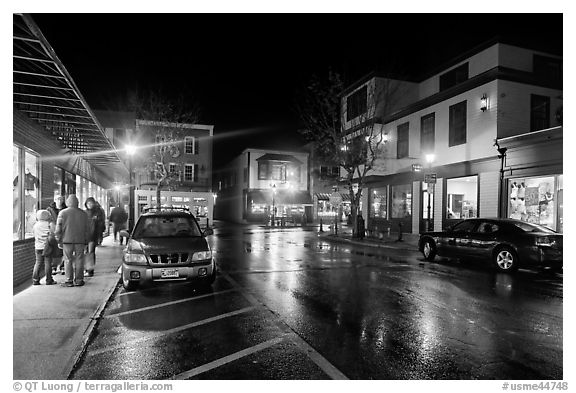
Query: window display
{"x":379,"y":205}
{"x":401,"y":201}
{"x":16,"y":215}
{"x":534,"y":200}
{"x":462,"y":197}
{"x":31,"y":190}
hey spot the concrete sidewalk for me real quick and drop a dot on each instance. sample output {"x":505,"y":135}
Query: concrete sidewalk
{"x":409,"y":240}
{"x":52,"y":324}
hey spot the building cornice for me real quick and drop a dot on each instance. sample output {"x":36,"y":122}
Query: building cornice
{"x":496,"y":73}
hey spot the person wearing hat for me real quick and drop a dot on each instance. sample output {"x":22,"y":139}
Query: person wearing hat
{"x":96,"y":225}
{"x":43,"y":229}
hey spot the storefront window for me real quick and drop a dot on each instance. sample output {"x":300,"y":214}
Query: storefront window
{"x":535,"y":199}
{"x":462,"y":197}
{"x":58,"y":181}
{"x":379,"y":205}
{"x":31,"y":190}
{"x":425,"y":203}
{"x":70,"y":184}
{"x":16,"y":214}
{"x":401,"y":201}
{"x":560,"y":199}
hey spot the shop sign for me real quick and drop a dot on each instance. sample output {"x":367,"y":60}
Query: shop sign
{"x":335,"y":198}
{"x":430,"y":178}
{"x":416,"y":167}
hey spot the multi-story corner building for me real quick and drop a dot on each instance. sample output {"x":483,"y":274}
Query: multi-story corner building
{"x":260,"y":185}
{"x":446,"y":124}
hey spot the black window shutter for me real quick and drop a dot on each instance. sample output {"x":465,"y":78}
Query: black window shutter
{"x":196,"y":145}
{"x":195,"y":173}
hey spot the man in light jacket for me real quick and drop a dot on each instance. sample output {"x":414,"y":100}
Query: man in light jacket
{"x":72,"y":232}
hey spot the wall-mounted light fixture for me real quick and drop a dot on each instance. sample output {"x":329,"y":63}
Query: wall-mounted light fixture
{"x":484,"y":102}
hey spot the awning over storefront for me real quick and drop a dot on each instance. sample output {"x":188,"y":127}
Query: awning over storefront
{"x":282,"y":197}
{"x":279,"y":157}
{"x":45,"y":91}
{"x":288,"y":197}
{"x":261,"y":197}
{"x":322,"y":196}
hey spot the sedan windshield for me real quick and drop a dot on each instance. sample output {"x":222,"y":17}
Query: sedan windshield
{"x":163,"y":226}
{"x":528,"y":227}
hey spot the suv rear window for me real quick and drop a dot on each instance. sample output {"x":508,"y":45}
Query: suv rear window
{"x":166,"y":226}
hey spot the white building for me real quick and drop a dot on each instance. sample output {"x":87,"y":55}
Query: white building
{"x":259,"y":184}
{"x":493,"y":93}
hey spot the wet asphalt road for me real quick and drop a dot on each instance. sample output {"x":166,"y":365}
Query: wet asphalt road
{"x":290,"y":305}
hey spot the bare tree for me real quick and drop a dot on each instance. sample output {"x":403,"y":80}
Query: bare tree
{"x":166,"y":118}
{"x":346,"y":133}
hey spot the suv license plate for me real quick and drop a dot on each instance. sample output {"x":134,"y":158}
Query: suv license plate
{"x":169,"y":273}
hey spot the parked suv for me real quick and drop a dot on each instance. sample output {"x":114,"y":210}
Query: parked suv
{"x":167,"y":245}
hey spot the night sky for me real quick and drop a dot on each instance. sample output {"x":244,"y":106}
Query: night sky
{"x":244,"y":69}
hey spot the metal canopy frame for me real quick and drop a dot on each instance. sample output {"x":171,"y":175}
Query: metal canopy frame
{"x":43,"y":89}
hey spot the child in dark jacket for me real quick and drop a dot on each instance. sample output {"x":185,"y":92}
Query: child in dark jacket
{"x":43,"y":228}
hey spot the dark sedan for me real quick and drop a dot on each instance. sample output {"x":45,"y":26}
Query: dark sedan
{"x":506,"y":243}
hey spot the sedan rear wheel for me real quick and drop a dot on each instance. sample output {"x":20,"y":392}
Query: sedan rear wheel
{"x":505,"y":260}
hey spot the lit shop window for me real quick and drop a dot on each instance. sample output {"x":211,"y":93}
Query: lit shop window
{"x":401,"y":201}
{"x":379,"y":205}
{"x":538,"y":200}
{"x":16,"y":194}
{"x":462,"y":197}
{"x":25,"y":190}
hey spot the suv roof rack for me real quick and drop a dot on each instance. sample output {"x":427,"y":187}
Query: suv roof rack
{"x":165,"y":208}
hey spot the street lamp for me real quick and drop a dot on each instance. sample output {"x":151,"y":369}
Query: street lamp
{"x":273,"y":203}
{"x":429,"y":160}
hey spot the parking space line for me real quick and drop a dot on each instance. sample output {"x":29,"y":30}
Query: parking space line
{"x":131,"y":343}
{"x":314,"y":355}
{"x":227,"y":359}
{"x":168,"y":303}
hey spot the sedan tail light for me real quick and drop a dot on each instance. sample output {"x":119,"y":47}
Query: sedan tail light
{"x":545,"y":241}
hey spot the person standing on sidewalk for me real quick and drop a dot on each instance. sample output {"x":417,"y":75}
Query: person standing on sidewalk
{"x":118,"y":217}
{"x":61,"y":205}
{"x":102,"y":217}
{"x":72,"y":233}
{"x":361,"y":226}
{"x":57,"y":253}
{"x":43,"y":228}
{"x":95,"y":228}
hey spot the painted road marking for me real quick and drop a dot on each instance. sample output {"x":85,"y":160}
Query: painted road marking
{"x":314,"y":355}
{"x":151,"y":336}
{"x":228,"y":359}
{"x":152,"y":288}
{"x":168,"y":303}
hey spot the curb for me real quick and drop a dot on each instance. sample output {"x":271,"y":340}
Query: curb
{"x":368,"y":244}
{"x":88,"y":333}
